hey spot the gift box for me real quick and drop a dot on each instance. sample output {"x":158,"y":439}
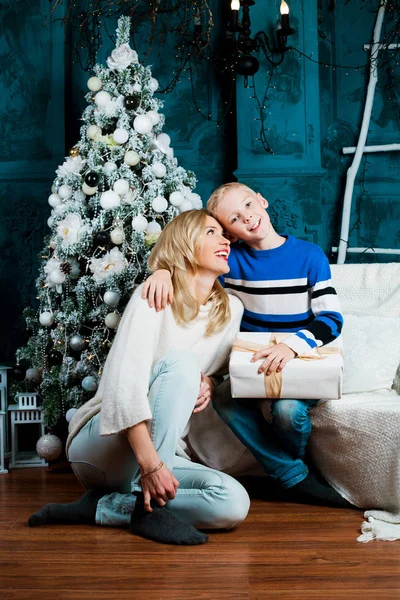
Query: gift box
{"x":316,"y":375}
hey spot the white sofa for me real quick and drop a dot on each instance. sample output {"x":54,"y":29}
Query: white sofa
{"x":355,"y":441}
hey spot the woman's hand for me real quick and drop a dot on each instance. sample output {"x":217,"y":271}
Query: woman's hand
{"x":158,"y":289}
{"x":161,"y":486}
{"x":205,"y":393}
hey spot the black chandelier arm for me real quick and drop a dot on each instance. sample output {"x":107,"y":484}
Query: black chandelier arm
{"x":262,"y":43}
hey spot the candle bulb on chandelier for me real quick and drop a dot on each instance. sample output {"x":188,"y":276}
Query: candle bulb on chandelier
{"x":284,"y":10}
{"x":235,"y":5}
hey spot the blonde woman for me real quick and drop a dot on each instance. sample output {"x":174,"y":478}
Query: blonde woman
{"x":126,"y":445}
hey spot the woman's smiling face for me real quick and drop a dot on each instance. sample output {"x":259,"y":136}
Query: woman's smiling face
{"x":214,"y":251}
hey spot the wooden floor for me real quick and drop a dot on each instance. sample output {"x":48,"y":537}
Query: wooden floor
{"x":282,"y":551}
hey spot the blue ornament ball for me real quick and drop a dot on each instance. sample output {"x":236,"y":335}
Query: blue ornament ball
{"x":89,"y":383}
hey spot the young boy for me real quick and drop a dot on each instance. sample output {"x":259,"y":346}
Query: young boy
{"x":285,"y":286}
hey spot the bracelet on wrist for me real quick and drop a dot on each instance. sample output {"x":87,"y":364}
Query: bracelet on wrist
{"x":160,"y":466}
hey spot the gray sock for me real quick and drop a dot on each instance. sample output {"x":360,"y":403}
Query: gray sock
{"x":162,"y":526}
{"x":83,"y":511}
{"x":319,"y":489}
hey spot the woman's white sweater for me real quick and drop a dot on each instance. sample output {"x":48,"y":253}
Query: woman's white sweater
{"x":144,"y":336}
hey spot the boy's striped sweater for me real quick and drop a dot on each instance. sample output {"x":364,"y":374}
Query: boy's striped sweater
{"x":286,"y":289}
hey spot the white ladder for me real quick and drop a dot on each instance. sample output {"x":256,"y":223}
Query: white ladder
{"x":361,"y":148}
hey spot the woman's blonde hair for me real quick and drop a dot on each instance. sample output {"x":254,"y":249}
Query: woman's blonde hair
{"x":177,"y":250}
{"x":216,"y":196}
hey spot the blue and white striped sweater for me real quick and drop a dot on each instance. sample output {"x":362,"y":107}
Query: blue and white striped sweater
{"x":286,"y":289}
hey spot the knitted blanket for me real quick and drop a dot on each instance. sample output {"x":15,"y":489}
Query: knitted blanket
{"x":356,"y":441}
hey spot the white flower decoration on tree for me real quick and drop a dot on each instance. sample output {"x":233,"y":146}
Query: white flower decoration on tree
{"x":55,"y":277}
{"x":111,"y":263}
{"x":122,"y":57}
{"x":71,"y":166}
{"x":111,"y":108}
{"x":70,"y":229}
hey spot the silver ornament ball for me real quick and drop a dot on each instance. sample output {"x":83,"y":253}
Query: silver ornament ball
{"x":70,"y":413}
{"x":49,"y":447}
{"x":89,"y":383}
{"x":77,"y":343}
{"x":111,"y":298}
{"x":32,"y":375}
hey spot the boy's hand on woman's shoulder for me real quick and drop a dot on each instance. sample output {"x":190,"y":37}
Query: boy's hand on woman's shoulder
{"x":158,"y":289}
{"x":276,"y":357}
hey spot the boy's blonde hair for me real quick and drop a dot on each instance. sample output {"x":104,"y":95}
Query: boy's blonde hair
{"x":216,"y":196}
{"x":177,"y":250}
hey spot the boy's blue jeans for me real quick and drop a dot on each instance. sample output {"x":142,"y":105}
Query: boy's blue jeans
{"x":278,"y":446}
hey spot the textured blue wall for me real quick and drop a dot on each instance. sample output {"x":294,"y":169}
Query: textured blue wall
{"x":312,"y":112}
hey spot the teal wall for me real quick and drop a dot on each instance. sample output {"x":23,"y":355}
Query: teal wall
{"x":312,"y":112}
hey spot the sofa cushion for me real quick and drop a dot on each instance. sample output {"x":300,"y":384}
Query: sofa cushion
{"x":372,"y":352}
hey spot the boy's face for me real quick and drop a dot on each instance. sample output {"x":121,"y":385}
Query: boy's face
{"x":242,"y":214}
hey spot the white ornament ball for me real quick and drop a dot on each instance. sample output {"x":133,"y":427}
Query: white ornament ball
{"x":80,"y":196}
{"x":109,"y":199}
{"x":164,"y":139}
{"x":121,"y":135}
{"x":57,"y":276}
{"x":153,"y":227}
{"x":32,"y":375}
{"x":142,"y":124}
{"x":102,"y":99}
{"x":49,"y":447}
{"x":195,"y":199}
{"x":153,"y":116}
{"x":176,"y":198}
{"x":121,"y":186}
{"x":131,"y":158}
{"x":94,"y":84}
{"x":159,"y":204}
{"x":65,"y":191}
{"x":89,"y":383}
{"x":111,"y":298}
{"x":117,"y":236}
{"x":89,"y":191}
{"x":46,"y":319}
{"x":139,"y":223}
{"x":153,"y":84}
{"x":112,"y":320}
{"x":186,"y":205}
{"x":159,"y":170}
{"x":59,"y":210}
{"x":54,"y":200}
{"x":70,"y":413}
{"x":170,"y":152}
{"x":53,"y":188}
{"x":109,"y":167}
{"x":93,"y":131}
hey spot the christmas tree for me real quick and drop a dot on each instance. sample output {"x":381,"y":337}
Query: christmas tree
{"x":110,"y":200}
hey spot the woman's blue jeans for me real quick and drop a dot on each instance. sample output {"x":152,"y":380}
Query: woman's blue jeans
{"x":206,"y":498}
{"x":280,"y":445}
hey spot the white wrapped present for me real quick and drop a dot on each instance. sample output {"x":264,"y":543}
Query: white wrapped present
{"x":313,"y":376}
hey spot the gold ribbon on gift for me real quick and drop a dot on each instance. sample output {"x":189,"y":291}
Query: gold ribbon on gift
{"x":273,"y":382}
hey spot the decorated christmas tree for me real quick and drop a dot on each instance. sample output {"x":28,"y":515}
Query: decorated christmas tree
{"x":111,"y":198}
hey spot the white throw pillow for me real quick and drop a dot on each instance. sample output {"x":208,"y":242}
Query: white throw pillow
{"x":371,"y":352}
